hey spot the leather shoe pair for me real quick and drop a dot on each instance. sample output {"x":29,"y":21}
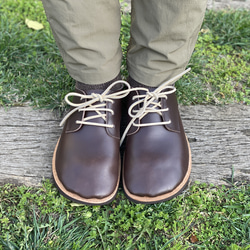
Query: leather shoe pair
{"x":157,"y":160}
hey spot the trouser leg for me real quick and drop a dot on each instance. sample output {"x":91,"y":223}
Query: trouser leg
{"x":163,"y":36}
{"x":87,"y":34}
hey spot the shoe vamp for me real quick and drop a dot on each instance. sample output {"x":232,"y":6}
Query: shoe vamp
{"x":156,"y":160}
{"x":88,"y":162}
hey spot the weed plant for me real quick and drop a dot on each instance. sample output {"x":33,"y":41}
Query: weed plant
{"x":32,"y":70}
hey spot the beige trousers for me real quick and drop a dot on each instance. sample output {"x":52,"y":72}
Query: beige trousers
{"x":163,"y":36}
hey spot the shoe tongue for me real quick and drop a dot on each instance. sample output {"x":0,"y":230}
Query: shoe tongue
{"x":142,"y":92}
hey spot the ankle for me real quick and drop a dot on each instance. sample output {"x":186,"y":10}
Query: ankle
{"x":134,"y":84}
{"x":101,"y":86}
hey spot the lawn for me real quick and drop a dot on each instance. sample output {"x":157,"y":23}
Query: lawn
{"x":203,"y":217}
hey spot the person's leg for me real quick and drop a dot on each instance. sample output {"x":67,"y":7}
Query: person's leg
{"x":157,"y":162}
{"x":163,"y":36}
{"x":86,"y":160}
{"x":87,"y":35}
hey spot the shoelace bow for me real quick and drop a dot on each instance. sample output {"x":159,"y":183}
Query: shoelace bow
{"x":150,"y":103}
{"x":96,"y":102}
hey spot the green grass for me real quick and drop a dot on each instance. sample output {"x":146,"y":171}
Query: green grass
{"x":221,"y":61}
{"x":40,"y":218}
{"x":32,"y":70}
{"x":31,"y":67}
{"x":204,"y":217}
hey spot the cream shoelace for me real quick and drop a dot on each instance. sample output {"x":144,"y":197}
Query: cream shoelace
{"x":90,"y":104}
{"x":150,"y":103}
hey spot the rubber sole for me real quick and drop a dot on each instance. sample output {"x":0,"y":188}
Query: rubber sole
{"x":75,"y":197}
{"x":163,"y":197}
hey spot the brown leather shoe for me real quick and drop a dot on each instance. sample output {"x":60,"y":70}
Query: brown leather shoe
{"x":86,"y":161}
{"x":157,"y":158}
